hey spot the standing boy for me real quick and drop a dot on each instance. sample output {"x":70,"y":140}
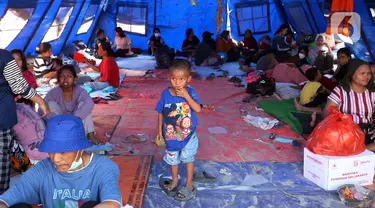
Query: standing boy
{"x":177,"y":123}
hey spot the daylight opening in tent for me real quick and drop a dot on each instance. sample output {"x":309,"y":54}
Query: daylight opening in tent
{"x":89,"y":19}
{"x":12,"y":23}
{"x":255,"y":18}
{"x":132,"y":19}
{"x":58,"y":24}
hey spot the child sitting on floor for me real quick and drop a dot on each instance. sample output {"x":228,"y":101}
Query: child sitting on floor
{"x":43,"y":66}
{"x":313,"y":93}
{"x":177,"y":123}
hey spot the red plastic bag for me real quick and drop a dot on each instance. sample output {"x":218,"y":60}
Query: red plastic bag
{"x":78,"y":57}
{"x":337,"y":135}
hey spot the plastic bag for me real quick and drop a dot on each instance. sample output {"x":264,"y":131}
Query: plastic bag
{"x":337,"y":135}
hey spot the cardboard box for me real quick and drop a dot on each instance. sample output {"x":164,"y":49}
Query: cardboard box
{"x":330,"y":172}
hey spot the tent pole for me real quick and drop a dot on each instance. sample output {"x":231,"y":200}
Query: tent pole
{"x":312,"y":15}
{"x":93,"y":32}
{"x":75,"y":21}
{"x":36,"y":27}
{"x":367,"y":46}
{"x":154,"y":13}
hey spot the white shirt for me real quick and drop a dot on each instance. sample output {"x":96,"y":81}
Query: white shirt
{"x":122,"y":43}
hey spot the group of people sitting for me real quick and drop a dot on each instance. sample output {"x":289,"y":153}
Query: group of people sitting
{"x":122,"y":44}
{"x":67,"y":95}
{"x":54,"y":138}
{"x":350,"y":87}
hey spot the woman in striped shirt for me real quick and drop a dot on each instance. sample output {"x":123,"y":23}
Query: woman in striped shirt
{"x":356,"y":96}
{"x":43,"y":66}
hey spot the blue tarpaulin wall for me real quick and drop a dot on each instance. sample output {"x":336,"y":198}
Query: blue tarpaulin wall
{"x":173,"y":17}
{"x":86,"y":8}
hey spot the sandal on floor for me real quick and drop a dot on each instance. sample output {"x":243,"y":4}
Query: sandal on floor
{"x":99,"y":100}
{"x":166,"y":181}
{"x":185,"y":195}
{"x":204,"y":177}
{"x":250,"y":98}
{"x":116,"y":95}
{"x":296,"y":144}
{"x":133,"y":138}
{"x":211,"y":76}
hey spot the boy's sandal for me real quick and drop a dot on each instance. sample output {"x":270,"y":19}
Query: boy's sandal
{"x":184,"y":194}
{"x":204,"y":177}
{"x":133,"y":138}
{"x":166,"y":181}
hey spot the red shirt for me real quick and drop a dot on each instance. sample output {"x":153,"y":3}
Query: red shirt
{"x":109,"y":72}
{"x":328,"y":83}
{"x":29,"y":77}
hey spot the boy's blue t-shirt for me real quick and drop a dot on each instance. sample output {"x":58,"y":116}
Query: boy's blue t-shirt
{"x":179,"y":120}
{"x":42,"y":184}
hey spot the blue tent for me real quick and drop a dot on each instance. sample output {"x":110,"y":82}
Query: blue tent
{"x":26,"y":23}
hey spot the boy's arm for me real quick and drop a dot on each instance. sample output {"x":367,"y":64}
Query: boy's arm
{"x":160,"y":125}
{"x":193,"y":104}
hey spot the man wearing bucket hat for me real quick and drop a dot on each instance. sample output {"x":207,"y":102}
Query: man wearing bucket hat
{"x":70,"y":177}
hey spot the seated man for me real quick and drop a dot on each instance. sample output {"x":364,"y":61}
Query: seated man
{"x":70,"y":177}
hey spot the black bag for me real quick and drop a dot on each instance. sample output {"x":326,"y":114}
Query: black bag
{"x":164,"y":57}
{"x":264,"y":85}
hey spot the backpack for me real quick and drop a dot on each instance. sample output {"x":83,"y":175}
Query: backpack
{"x":260,"y":83}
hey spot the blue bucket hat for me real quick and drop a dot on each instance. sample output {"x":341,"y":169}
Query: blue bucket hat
{"x":64,"y":133}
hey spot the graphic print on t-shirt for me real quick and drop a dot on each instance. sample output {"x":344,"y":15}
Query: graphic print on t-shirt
{"x":178,"y":123}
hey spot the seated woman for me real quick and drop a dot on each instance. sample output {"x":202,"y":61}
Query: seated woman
{"x":156,"y":41}
{"x":101,"y":38}
{"x":303,"y":56}
{"x":281,"y":46}
{"x":20,"y":58}
{"x":289,"y":38}
{"x":108,"y":68}
{"x":122,"y":43}
{"x":249,"y":46}
{"x":43,"y":66}
{"x":265,"y":43}
{"x":343,"y":57}
{"x":190,"y":43}
{"x":225,"y":44}
{"x":321,"y":55}
{"x":205,"y":55}
{"x":70,"y":98}
{"x":356,"y":97}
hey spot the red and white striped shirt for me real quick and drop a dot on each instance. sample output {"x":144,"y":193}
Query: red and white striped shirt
{"x":359,"y":105}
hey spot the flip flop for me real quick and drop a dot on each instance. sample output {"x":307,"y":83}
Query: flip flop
{"x":116,"y":95}
{"x":204,"y":177}
{"x":296,"y":144}
{"x":133,"y":138}
{"x":167,"y":181}
{"x":185,"y":195}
